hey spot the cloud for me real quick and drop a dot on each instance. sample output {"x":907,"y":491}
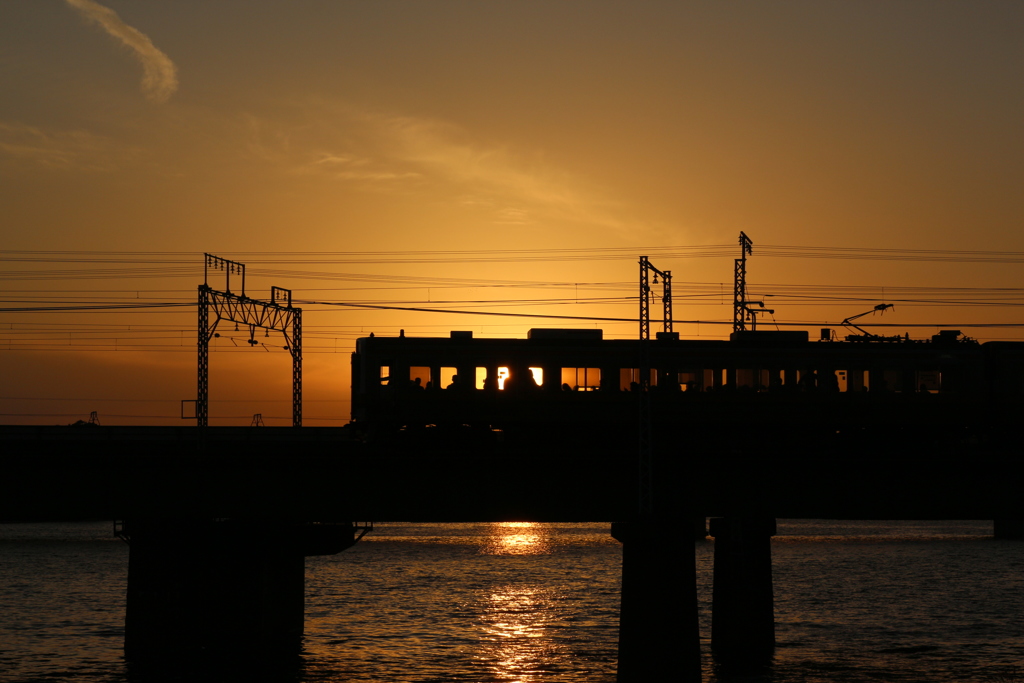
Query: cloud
{"x":384,"y":152}
{"x":160,"y":76}
{"x":348,"y":167}
{"x":518,"y":187}
{"x":69,"y":149}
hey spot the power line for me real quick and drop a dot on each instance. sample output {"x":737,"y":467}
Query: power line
{"x":91,"y":307}
{"x":169,"y":400}
{"x":170,"y":258}
{"x":813,"y":323}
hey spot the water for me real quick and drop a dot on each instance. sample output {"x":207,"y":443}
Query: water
{"x":855,"y":601}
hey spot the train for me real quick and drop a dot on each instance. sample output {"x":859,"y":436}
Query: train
{"x":574,"y":381}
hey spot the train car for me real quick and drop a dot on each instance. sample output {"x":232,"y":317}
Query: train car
{"x":573,"y":381}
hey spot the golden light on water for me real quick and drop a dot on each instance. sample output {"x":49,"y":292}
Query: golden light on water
{"x":517,"y":538}
{"x":516,"y":641}
{"x":515,"y":619}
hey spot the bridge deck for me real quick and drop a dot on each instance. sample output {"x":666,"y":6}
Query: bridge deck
{"x":323,"y":474}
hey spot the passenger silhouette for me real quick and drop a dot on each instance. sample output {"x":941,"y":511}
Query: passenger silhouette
{"x":520,"y":380}
{"x":458,"y":384}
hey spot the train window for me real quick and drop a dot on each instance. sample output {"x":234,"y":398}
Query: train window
{"x":690,"y":381}
{"x":929,"y":380}
{"x":631,"y":376}
{"x":842,"y":380}
{"x":582,"y":379}
{"x":419,"y":373}
{"x":893,"y":380}
{"x":503,"y":373}
{"x":480,"y":378}
{"x":447,"y":377}
{"x":856,"y":381}
{"x":385,"y":374}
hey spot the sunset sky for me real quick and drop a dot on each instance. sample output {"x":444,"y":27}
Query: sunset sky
{"x":488,"y":156}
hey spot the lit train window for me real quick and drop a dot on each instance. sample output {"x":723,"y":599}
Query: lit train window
{"x":841,"y":381}
{"x":630,"y":376}
{"x":503,"y":373}
{"x":419,"y":373}
{"x":447,"y":377}
{"x":857,"y":381}
{"x":582,"y":379}
{"x":690,"y":381}
{"x":385,"y":374}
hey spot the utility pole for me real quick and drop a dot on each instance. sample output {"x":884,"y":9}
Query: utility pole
{"x":742,"y":313}
{"x":644,"y":384}
{"x":278,"y":314}
{"x":658,"y":570}
{"x":645,"y":297}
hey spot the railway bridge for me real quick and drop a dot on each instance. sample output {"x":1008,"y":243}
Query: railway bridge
{"x":196,"y":500}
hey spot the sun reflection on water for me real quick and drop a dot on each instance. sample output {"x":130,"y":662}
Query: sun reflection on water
{"x":517,"y":538}
{"x":516,"y":638}
{"x":518,"y":619}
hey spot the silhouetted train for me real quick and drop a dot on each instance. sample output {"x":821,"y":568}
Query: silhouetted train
{"x":574,"y":379}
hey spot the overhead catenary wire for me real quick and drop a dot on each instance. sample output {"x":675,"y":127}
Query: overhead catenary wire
{"x":171,"y":258}
{"x":368,"y":257}
{"x":136,"y":301}
{"x":806,"y":323}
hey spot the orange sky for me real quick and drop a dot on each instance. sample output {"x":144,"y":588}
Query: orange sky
{"x":152,"y":132}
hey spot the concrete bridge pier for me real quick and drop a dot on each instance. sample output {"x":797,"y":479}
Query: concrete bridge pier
{"x":228,"y":590}
{"x":659,"y":637}
{"x":743,"y":604}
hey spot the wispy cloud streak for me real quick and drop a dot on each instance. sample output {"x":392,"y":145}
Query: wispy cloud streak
{"x":160,"y":76}
{"x":64,"y":150}
{"x":383,"y":152}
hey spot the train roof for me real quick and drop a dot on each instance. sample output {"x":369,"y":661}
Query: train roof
{"x":583,"y":338}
